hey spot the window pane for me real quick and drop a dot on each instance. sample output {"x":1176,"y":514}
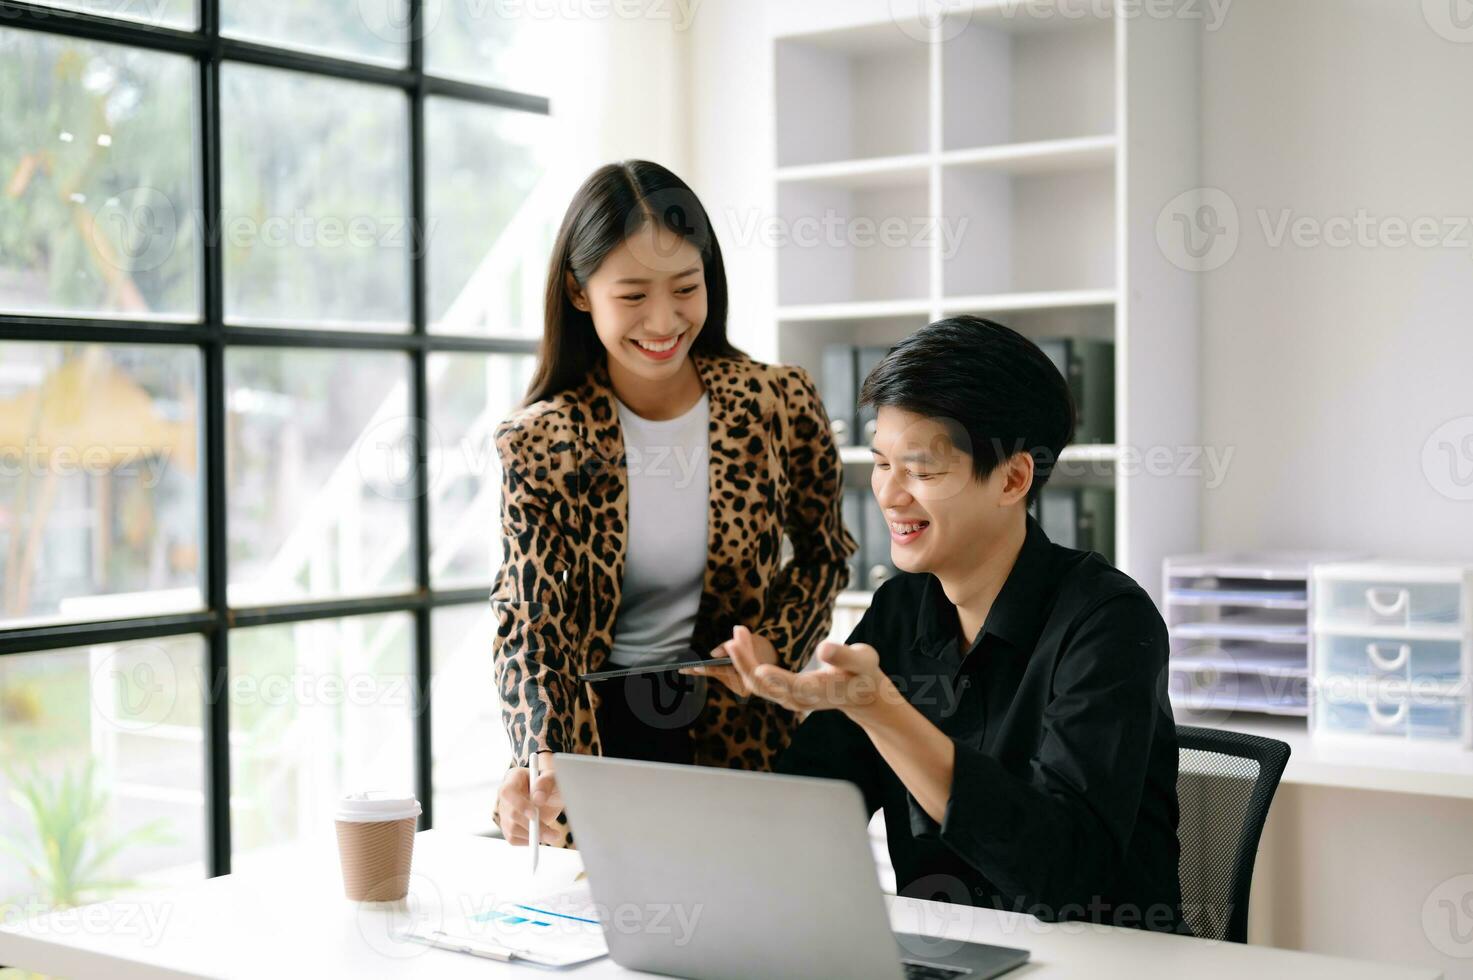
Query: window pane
{"x":469,"y":395}
{"x":367,"y":30}
{"x":98,"y":200}
{"x":159,"y":13}
{"x":512,"y":45}
{"x":100,"y":485}
{"x":120,"y":725}
{"x":316,"y":200}
{"x":317,"y":709}
{"x":320,"y":483}
{"x":493,"y":218}
{"x":469,"y":740}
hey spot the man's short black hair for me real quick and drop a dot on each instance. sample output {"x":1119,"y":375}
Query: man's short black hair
{"x":992,"y":382}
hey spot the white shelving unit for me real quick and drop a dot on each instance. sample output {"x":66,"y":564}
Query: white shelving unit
{"x":1021,"y":162}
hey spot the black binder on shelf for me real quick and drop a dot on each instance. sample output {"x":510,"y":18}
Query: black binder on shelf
{"x":1097,"y":520}
{"x":876,"y":548}
{"x":1089,"y":368}
{"x":1079,"y":517}
{"x":853,"y":513}
{"x":1058,"y":513}
{"x":839,"y":388}
{"x":865,"y":361}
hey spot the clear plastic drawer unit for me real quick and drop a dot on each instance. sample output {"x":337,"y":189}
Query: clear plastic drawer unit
{"x":1390,"y":650}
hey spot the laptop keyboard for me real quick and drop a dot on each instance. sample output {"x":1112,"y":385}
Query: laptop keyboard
{"x":930,"y":971}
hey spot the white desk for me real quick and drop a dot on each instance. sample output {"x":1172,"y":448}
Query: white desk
{"x":289,"y":919}
{"x":1357,"y":762}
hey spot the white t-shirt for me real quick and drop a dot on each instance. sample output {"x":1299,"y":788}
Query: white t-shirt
{"x":669,"y":509}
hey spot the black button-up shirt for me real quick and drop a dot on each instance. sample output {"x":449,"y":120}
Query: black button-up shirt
{"x":1063,"y":799}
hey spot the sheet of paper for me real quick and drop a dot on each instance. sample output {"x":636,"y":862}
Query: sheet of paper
{"x":574,"y":902}
{"x":553,"y":928}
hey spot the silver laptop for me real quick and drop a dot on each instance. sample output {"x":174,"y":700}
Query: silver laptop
{"x":717,"y":874}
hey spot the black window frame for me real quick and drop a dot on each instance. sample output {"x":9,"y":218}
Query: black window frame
{"x":212,"y":336}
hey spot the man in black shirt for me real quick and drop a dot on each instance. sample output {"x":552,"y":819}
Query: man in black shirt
{"x":1003,"y":699}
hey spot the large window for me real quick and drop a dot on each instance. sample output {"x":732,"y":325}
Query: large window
{"x":268,"y":280}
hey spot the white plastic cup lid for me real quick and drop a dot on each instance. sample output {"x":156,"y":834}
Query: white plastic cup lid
{"x":375,"y":805}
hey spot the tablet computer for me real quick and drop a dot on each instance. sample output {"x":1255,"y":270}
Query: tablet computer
{"x":603,"y":675}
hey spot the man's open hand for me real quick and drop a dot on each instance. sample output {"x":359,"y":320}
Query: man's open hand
{"x":760,"y":648}
{"x":847,"y":678}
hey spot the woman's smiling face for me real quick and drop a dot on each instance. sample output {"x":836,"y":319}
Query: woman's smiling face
{"x":648,"y":302}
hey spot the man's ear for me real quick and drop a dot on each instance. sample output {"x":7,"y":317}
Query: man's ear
{"x":1019,"y":478}
{"x":576,"y":295}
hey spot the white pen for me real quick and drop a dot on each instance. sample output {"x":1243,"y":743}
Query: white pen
{"x":534,"y":839}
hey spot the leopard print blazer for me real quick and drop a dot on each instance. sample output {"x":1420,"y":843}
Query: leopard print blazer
{"x":773,"y":469}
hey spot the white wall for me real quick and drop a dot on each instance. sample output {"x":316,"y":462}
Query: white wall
{"x":1327,"y":369}
{"x":626,"y":96}
{"x":734,"y":133}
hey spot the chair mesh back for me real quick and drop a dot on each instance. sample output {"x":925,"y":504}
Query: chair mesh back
{"x":1225,"y":783}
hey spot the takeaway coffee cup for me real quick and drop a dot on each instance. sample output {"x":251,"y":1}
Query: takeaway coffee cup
{"x":376,"y":844}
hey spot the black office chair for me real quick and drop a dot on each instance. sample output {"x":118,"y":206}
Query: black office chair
{"x":1225,"y":783}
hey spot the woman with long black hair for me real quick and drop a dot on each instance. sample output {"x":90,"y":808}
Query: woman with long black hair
{"x":648,"y":482}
